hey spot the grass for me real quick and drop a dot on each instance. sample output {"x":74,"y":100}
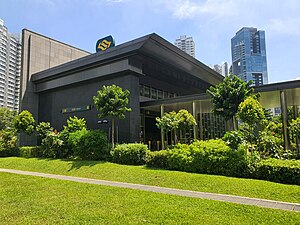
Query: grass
{"x":163,"y":178}
{"x":35,"y":200}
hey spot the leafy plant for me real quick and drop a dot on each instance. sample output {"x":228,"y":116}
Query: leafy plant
{"x":24,"y":121}
{"x":112,"y":101}
{"x":90,"y":144}
{"x":43,"y":128}
{"x":233,"y":138}
{"x":130,"y":154}
{"x":8,"y":143}
{"x":6,"y":118}
{"x":227,"y":96}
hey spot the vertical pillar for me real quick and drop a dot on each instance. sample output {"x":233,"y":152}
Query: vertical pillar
{"x":200,"y":123}
{"x":284,"y":113}
{"x":162,"y":130}
{"x":195,"y":117}
{"x":295,"y":112}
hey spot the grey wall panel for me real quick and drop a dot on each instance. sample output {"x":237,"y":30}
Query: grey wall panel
{"x":52,"y":102}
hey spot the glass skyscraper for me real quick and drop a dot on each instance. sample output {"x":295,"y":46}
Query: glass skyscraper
{"x":248,"y":52}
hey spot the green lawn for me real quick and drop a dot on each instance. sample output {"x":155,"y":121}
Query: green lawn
{"x":35,"y":200}
{"x":163,"y":178}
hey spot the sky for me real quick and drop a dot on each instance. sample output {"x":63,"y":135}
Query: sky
{"x":211,"y":23}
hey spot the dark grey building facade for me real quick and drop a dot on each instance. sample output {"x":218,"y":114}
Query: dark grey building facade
{"x":149,"y":67}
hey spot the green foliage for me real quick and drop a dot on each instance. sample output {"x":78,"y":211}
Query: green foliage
{"x":43,"y":129}
{"x":295,"y":127}
{"x":251,"y":112}
{"x":8,"y":143}
{"x":276,"y":170}
{"x":75,"y":124}
{"x":52,"y":146}
{"x":168,"y":122}
{"x":210,"y":157}
{"x":89,"y":144}
{"x":6,"y":118}
{"x":30,"y":151}
{"x":185,"y":119}
{"x":130,"y":154}
{"x":157,"y":159}
{"x":233,"y":139}
{"x":112,"y":101}
{"x":227,"y":95}
{"x":271,"y":146}
{"x":24,"y":122}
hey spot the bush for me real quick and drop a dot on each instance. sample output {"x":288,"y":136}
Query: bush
{"x":52,"y":146}
{"x":8,"y":143}
{"x":233,"y":138}
{"x":211,"y":157}
{"x":30,"y":151}
{"x":158,"y":159}
{"x":24,"y":121}
{"x":90,"y":144}
{"x":282,"y":171}
{"x":130,"y":154}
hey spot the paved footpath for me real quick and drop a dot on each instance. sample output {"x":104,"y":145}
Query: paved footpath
{"x":171,"y":191}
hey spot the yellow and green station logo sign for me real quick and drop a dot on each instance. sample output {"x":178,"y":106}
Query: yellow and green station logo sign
{"x":105,"y":43}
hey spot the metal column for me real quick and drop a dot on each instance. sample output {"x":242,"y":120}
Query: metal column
{"x":195,"y":117}
{"x":162,"y":130}
{"x":284,"y":113}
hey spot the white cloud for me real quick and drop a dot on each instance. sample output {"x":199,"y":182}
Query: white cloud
{"x":189,"y":9}
{"x":289,"y":26}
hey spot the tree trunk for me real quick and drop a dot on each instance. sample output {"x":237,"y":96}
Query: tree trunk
{"x":113,"y":133}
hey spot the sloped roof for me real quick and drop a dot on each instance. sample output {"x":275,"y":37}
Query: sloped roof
{"x":151,"y":45}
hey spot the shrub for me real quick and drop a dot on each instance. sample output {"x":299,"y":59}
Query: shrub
{"x":233,"y":138}
{"x":43,"y":128}
{"x":30,"y":151}
{"x":52,"y":146}
{"x":24,"y":121}
{"x":211,"y":157}
{"x":8,"y":143}
{"x":158,"y":159}
{"x":283,"y":171}
{"x":130,"y":154}
{"x":215,"y":157}
{"x":90,"y":144}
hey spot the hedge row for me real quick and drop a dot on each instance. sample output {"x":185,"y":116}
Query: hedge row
{"x":209,"y":157}
{"x":282,"y":171}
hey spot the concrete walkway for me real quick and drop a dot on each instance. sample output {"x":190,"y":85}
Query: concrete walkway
{"x":171,"y":191}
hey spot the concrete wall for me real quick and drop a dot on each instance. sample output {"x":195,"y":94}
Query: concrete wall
{"x":40,"y":53}
{"x":53,"y":101}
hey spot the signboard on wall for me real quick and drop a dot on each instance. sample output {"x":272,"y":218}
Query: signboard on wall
{"x":76,"y":109}
{"x":105,"y":43}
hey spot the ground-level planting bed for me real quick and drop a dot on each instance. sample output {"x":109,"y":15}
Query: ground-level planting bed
{"x":34,"y":200}
{"x":163,"y":178}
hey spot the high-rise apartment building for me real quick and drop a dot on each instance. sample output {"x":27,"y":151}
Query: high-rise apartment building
{"x":186,"y":44}
{"x":248,"y":52}
{"x":10,"y":68}
{"x":221,"y":69}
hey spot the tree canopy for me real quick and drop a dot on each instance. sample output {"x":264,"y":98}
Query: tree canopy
{"x":7,"y":118}
{"x":112,"y":101}
{"x":24,"y":121}
{"x":227,"y":95}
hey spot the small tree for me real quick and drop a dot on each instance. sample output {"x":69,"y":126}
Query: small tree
{"x":251,"y":112}
{"x":112,"y":101}
{"x":227,"y":96}
{"x":24,"y":122}
{"x":7,"y":118}
{"x":168,"y":122}
{"x":185,"y":120}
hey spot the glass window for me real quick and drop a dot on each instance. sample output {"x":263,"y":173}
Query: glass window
{"x":160,"y":94}
{"x":147,"y":91}
{"x":154,"y":93}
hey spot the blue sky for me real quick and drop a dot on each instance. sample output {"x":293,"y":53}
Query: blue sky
{"x":212,"y":23}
